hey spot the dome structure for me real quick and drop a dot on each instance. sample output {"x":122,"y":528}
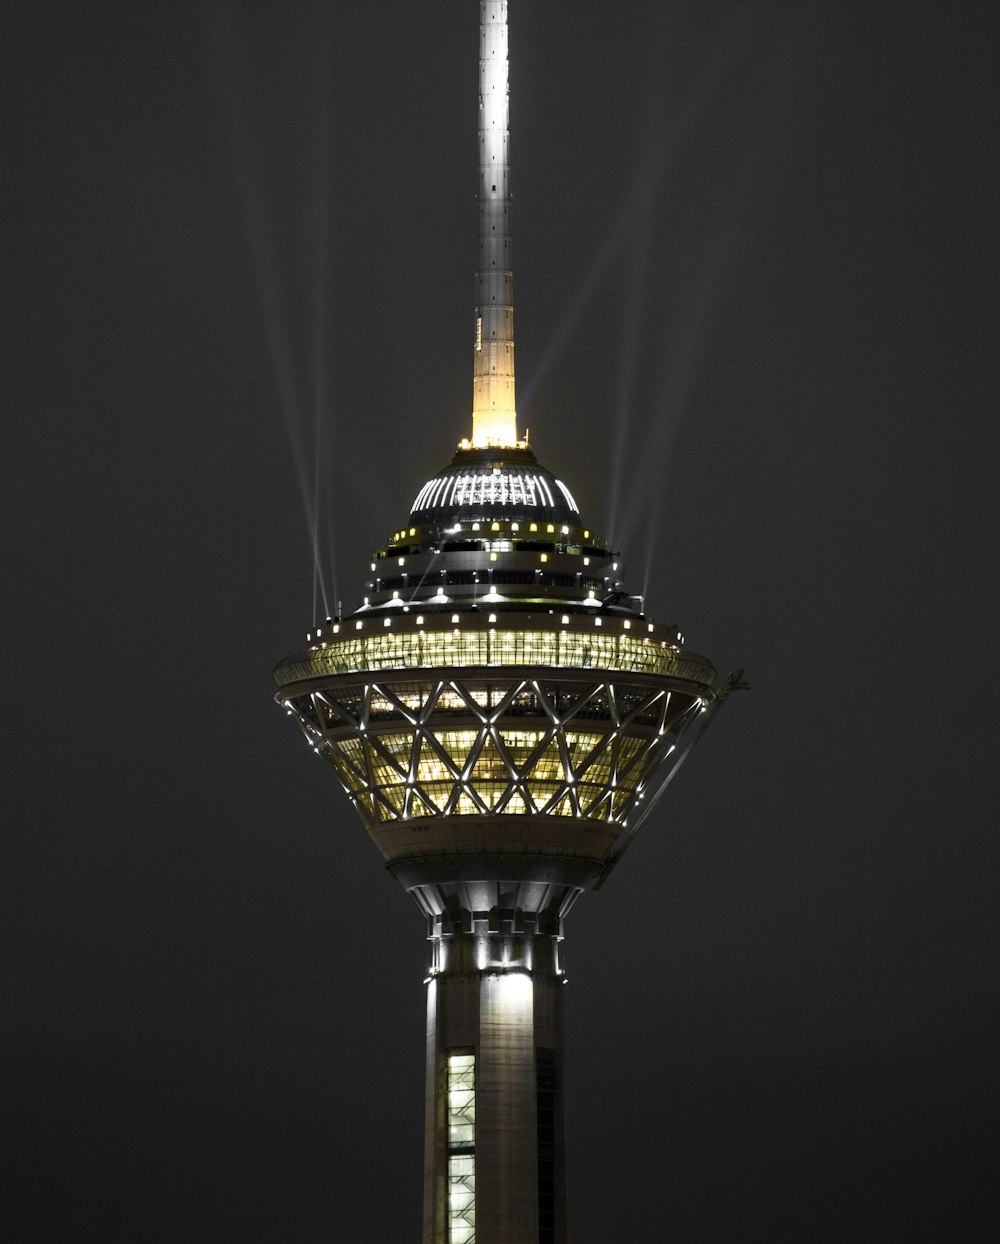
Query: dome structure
{"x":494,"y":483}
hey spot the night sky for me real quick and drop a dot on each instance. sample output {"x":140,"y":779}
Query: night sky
{"x":756,"y":262}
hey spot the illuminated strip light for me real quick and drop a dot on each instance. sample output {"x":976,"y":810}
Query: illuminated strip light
{"x":503,"y":489}
{"x":569,"y":496}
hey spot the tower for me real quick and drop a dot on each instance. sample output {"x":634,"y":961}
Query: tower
{"x":503,"y":715}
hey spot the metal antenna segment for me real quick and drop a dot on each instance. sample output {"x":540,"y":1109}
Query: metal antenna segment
{"x":494,"y":418}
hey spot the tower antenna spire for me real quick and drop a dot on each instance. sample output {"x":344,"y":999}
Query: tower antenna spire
{"x":494,"y":413}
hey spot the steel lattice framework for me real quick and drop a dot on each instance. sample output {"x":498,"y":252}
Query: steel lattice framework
{"x":581,"y":746}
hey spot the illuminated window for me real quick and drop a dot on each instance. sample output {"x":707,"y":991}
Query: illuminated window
{"x":461,"y":1149}
{"x":461,"y":1198}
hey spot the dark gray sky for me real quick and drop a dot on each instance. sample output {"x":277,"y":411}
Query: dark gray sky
{"x":755,"y":267}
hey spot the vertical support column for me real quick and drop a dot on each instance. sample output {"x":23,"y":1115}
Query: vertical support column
{"x":494,"y":419}
{"x":507,"y":1136}
{"x":452,"y":1025}
{"x":496,"y":997}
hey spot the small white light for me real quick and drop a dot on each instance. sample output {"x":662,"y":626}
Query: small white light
{"x":597,"y":621}
{"x":420,"y":619}
{"x":454,"y":617}
{"x":628,"y":625}
{"x":402,"y":561}
{"x":493,"y":617}
{"x":565,"y":620}
{"x":358,"y":625}
{"x":386,"y":621}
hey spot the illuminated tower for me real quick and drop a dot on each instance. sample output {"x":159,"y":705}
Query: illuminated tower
{"x":503,"y":715}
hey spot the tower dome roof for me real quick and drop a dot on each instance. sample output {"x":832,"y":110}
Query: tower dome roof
{"x":500,"y":483}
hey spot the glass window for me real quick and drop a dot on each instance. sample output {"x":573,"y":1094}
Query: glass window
{"x":461,"y":1148}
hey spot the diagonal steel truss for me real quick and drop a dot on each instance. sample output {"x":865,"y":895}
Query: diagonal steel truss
{"x":581,"y":746}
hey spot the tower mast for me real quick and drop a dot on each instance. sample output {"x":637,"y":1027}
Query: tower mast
{"x":494,"y":417}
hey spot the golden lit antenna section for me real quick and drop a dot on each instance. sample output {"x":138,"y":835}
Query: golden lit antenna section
{"x":494,"y":417}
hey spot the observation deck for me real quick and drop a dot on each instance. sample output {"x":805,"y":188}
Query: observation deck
{"x":498,"y":708}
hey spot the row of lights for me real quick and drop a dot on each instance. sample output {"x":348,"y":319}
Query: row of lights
{"x":457,"y":618}
{"x":494,"y":526}
{"x":544,"y":557}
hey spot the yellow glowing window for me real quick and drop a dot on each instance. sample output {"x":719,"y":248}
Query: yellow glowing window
{"x":415,"y":649}
{"x":544,"y":557}
{"x":461,"y":1101}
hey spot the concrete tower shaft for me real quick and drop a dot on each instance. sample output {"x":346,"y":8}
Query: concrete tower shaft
{"x":494,"y":419}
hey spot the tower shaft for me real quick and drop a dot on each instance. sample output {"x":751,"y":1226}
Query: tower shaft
{"x":494,"y":419}
{"x":494,"y":1147}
